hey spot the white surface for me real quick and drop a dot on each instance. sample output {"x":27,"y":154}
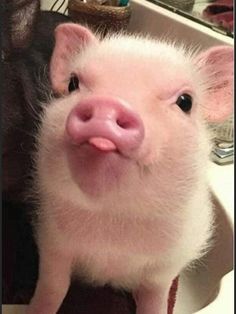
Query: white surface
{"x":149,"y":18}
{"x":221,"y":179}
{"x":224,"y":303}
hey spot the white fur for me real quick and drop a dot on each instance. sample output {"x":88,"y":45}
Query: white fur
{"x":166,"y":199}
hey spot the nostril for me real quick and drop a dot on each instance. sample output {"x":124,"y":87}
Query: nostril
{"x":123,"y":124}
{"x":126,"y":123}
{"x":85,"y":115}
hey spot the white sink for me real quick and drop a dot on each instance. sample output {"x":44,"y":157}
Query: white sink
{"x":152,"y":19}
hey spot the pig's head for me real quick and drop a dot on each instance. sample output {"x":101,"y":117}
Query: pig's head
{"x":129,"y":125}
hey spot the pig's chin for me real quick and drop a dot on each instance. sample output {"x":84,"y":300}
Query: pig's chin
{"x":97,"y":172}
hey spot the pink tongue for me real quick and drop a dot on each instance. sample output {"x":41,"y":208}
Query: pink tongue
{"x":102,"y":143}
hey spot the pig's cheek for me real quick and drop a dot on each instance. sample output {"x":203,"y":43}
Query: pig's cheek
{"x":154,"y":144}
{"x":147,"y":155}
{"x":164,"y":143}
{"x":51,"y":143}
{"x":54,"y":121}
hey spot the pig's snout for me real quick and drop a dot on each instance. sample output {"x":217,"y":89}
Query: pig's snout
{"x":105,"y":123}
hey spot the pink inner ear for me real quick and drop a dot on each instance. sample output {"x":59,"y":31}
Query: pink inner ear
{"x":72,"y":36}
{"x":217,"y":64}
{"x":70,"y":39}
{"x":225,"y":108}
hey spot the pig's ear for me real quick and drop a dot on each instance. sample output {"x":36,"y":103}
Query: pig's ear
{"x":70,"y":39}
{"x":217,"y":65}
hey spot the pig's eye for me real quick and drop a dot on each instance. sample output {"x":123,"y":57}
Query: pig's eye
{"x":184,"y":102}
{"x":73,"y":84}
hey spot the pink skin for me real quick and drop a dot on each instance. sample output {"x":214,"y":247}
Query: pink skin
{"x":110,"y":128}
{"x":121,"y":167}
{"x":149,"y":300}
{"x":105,"y":123}
{"x":51,"y":287}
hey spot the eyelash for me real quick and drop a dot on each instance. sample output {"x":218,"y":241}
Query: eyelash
{"x":73,"y":83}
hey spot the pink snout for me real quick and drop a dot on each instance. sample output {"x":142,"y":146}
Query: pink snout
{"x":106,"y":123}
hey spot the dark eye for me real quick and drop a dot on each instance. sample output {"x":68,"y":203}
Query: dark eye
{"x":73,"y":84}
{"x":185,"y":102}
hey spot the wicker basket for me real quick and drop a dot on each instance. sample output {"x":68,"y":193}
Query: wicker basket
{"x":100,"y":18}
{"x":223,"y":132}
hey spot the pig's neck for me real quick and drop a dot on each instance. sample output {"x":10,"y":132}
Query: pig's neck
{"x":133,"y":211}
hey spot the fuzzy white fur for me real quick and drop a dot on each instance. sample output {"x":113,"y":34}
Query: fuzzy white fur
{"x":158,"y":217}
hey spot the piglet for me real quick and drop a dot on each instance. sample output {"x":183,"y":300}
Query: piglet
{"x":121,"y":164}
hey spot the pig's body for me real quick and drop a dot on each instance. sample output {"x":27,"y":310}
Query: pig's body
{"x":123,"y":251}
{"x":123,"y":194}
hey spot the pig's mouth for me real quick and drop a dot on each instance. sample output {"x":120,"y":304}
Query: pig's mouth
{"x":96,"y":150}
{"x":103,"y":144}
{"x":100,"y":145}
{"x":97,"y":165}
